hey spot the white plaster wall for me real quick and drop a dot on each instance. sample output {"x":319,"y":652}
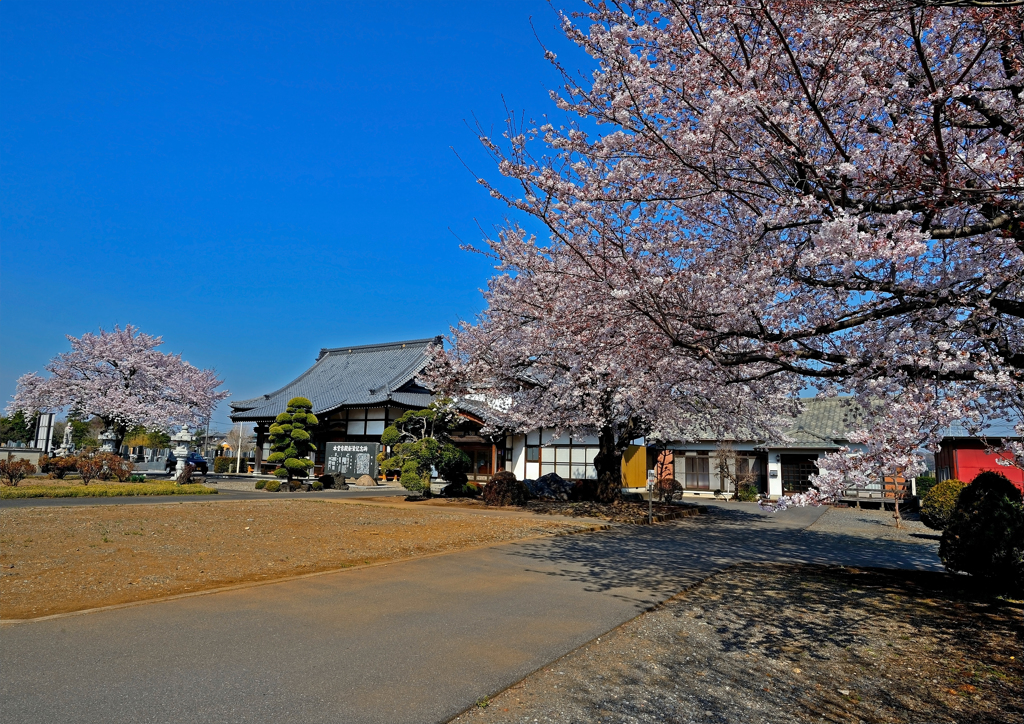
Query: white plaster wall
{"x":518,"y":455}
{"x":774,"y":483}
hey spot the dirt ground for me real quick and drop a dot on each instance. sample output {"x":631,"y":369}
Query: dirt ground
{"x":771,"y":643}
{"x":59,"y":559}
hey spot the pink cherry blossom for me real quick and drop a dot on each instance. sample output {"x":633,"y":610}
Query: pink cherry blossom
{"x":121,"y":378}
{"x":754,"y":196}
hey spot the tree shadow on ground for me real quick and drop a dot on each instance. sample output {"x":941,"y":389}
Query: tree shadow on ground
{"x":647,"y":564}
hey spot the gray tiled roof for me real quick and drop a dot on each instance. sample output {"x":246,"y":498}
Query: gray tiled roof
{"x":347,"y":376}
{"x":825,"y":422}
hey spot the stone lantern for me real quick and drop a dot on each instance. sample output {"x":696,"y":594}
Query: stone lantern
{"x":182,"y":438}
{"x":108,"y":441}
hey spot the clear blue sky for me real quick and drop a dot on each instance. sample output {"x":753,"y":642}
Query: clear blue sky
{"x":252,"y":181}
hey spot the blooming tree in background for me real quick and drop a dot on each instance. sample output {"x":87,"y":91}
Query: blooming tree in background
{"x":789,"y":189}
{"x":121,"y":378}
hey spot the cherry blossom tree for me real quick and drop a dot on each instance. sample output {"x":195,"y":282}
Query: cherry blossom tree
{"x":121,"y":378}
{"x":562,"y":355}
{"x":828,"y":192}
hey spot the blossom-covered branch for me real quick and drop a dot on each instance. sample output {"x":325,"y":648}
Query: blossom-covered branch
{"x":121,"y":378}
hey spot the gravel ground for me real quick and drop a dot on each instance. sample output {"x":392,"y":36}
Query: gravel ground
{"x":618,"y":512}
{"x":875,"y":524}
{"x":55,"y":560}
{"x":771,"y":643}
{"x":233,"y":483}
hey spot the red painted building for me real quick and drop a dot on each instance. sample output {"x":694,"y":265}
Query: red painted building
{"x":964,"y":457}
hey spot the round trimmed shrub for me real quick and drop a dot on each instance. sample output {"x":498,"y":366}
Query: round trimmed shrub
{"x":281,"y":473}
{"x":299,"y":434}
{"x":298,"y":466}
{"x":300,"y":402}
{"x":939,"y":503}
{"x":273,"y":486}
{"x":411,"y":479}
{"x":985,"y":533}
{"x":261,"y":484}
{"x":316,"y":485}
{"x":277,"y":457}
{"x":283,"y":417}
{"x":505,"y":489}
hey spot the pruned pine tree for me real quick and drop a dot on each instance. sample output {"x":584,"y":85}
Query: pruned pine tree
{"x":291,"y":439}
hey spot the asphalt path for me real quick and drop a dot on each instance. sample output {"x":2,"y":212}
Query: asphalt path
{"x":417,"y":641}
{"x":220,"y":495}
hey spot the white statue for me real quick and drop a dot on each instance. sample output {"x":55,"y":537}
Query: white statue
{"x":67,"y":447}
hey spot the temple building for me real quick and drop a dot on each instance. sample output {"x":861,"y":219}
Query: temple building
{"x":358,"y":391}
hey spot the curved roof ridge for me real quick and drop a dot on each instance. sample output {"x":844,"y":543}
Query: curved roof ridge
{"x":383,"y":345}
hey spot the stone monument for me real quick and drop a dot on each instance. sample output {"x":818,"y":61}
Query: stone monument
{"x":108,"y":441}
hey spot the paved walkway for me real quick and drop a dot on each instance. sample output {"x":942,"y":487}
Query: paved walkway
{"x":410,"y":642}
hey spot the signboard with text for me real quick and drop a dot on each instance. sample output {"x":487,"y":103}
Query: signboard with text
{"x":351,"y":459}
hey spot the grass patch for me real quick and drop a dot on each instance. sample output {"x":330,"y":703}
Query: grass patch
{"x":103,"y":490}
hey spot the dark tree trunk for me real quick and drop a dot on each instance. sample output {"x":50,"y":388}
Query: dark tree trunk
{"x":608,"y":466}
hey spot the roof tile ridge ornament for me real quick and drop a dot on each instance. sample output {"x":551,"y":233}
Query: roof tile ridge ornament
{"x":349,"y":349}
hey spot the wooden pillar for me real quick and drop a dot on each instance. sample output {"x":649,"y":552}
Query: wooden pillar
{"x":494,"y":458}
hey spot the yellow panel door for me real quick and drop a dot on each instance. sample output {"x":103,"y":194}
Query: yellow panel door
{"x":634,"y":467}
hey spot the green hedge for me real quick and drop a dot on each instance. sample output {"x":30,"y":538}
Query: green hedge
{"x":104,"y":491}
{"x":227,"y":465}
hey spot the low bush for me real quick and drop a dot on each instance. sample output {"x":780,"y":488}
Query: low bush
{"x":273,"y":486}
{"x":667,"y":489}
{"x":88,"y":466}
{"x":984,"y":536}
{"x":137,"y":479}
{"x":939,"y":503}
{"x":461,"y":490}
{"x":56,"y":467}
{"x":747,"y":492}
{"x":584,"y":490}
{"x":329,"y":480}
{"x":923,"y":484}
{"x":505,"y":489}
{"x":116,"y":466}
{"x":316,"y":485}
{"x":110,"y":490}
{"x":228,"y":465}
{"x":549,"y":487}
{"x":261,"y":484}
{"x":13,"y":472}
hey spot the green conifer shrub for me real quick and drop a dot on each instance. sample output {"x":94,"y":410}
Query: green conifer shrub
{"x":985,"y":533}
{"x":290,"y":440}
